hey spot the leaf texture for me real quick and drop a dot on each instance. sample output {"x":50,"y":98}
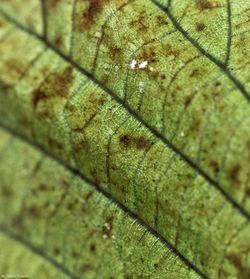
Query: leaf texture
{"x":52,"y":212}
{"x":148,"y":100}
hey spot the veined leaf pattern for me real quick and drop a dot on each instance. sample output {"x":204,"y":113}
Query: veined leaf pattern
{"x":148,"y":100}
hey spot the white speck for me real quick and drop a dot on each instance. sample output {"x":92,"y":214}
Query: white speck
{"x":151,"y":69}
{"x":133,"y":64}
{"x":182,"y":134}
{"x":107,"y":225}
{"x":143,"y":65}
{"x":113,"y":237}
{"x":104,"y":236}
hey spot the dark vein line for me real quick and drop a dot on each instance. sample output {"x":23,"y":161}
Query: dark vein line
{"x":110,"y":197}
{"x":44,"y":19}
{"x":229,"y":35}
{"x":134,"y":114}
{"x":217,"y":62}
{"x":37,"y":251}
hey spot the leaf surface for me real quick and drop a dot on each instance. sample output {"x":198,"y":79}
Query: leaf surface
{"x":149,"y":101}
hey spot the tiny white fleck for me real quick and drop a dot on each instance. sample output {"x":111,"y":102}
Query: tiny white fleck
{"x":133,"y":64}
{"x":182,"y":134}
{"x":104,"y":236}
{"x":113,"y":237}
{"x":107,"y":225}
{"x":143,"y":65}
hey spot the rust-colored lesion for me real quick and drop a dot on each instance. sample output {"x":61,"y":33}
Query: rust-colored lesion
{"x":55,"y":85}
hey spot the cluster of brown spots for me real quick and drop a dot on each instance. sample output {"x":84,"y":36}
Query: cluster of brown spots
{"x":107,"y":228}
{"x":56,"y":85}
{"x":205,"y":5}
{"x":137,"y":142}
{"x":200,"y":26}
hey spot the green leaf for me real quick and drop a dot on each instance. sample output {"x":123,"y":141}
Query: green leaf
{"x":145,"y":104}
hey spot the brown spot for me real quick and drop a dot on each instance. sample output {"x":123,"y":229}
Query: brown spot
{"x":14,"y":67}
{"x":143,"y":143}
{"x":170,"y":51}
{"x":43,"y":187}
{"x":92,"y":248}
{"x":56,"y":251}
{"x":58,"y":41}
{"x":188,"y":99}
{"x":52,"y":3}
{"x":53,"y":86}
{"x":200,"y":26}
{"x":33,"y":212}
{"x":234,"y":174}
{"x":140,"y":23}
{"x":88,"y":196}
{"x":85,"y":268}
{"x":74,"y":254}
{"x":125,"y":140}
{"x":6,"y":192}
{"x":162,"y":20}
{"x":205,"y":5}
{"x":247,"y":192}
{"x":195,"y":73}
{"x":89,"y":15}
{"x":71,"y":206}
{"x":215,"y":166}
{"x":243,"y":271}
{"x":115,"y":52}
